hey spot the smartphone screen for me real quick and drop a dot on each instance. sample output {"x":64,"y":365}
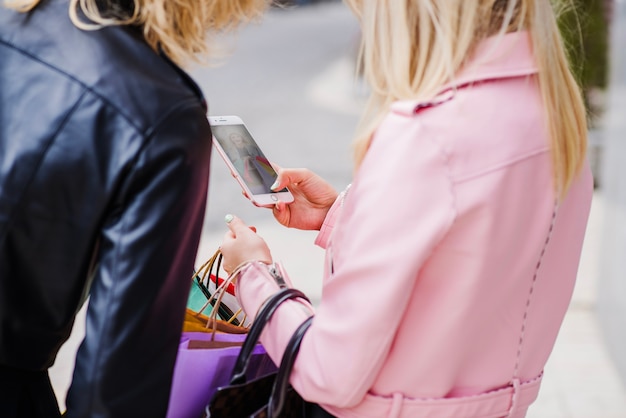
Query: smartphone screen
{"x":247,"y":158}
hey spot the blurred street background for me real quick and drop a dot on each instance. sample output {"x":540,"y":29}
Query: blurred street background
{"x":291,"y":78}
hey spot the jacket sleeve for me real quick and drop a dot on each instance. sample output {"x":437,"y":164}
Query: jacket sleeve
{"x":326,"y":230}
{"x":148,"y":247}
{"x":400,"y":206}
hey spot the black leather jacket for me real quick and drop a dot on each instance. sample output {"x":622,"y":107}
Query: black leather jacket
{"x":104,"y":164}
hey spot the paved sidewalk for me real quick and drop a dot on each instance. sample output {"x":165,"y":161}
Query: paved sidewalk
{"x":580,"y":380}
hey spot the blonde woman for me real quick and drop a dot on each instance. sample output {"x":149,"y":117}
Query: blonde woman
{"x":104,"y":163}
{"x":452,"y":257}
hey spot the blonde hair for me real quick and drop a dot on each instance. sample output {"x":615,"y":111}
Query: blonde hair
{"x":410,"y":49}
{"x":181,"y":28}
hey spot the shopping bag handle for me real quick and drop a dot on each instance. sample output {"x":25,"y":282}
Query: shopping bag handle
{"x":279,"y":389}
{"x":254,"y":333}
{"x":209,"y":269}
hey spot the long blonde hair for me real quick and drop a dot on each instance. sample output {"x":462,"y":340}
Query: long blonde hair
{"x":410,"y":49}
{"x":181,"y":28}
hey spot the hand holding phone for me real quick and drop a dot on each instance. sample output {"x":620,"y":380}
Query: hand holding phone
{"x":313,"y":197}
{"x":246,"y":161}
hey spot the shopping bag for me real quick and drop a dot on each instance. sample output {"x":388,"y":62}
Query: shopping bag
{"x":205,"y":283}
{"x":269,"y":395}
{"x":197,"y":322}
{"x":198,"y":372}
{"x":208,"y":349}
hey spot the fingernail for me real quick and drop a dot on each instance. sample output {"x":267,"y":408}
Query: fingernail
{"x":275,"y":185}
{"x":229,"y":218}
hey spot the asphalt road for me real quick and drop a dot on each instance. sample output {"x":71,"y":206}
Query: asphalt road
{"x":290,"y":77}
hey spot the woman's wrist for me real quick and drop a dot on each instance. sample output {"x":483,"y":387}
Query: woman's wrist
{"x":273,"y":269}
{"x":243,"y":265}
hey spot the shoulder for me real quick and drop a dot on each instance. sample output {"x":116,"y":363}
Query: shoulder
{"x":477,"y":127}
{"x":114,"y":64}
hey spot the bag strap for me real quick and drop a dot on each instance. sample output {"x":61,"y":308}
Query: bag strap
{"x":254,"y":333}
{"x":279,"y":390}
{"x":201,"y":279}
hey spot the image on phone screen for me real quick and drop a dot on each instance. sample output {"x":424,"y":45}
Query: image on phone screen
{"x":247,"y":158}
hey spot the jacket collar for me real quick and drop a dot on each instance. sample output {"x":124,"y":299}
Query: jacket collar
{"x":498,"y":57}
{"x":186,"y":79}
{"x":505,"y":56}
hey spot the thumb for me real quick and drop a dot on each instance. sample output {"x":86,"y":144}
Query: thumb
{"x":235,"y":224}
{"x":279,"y":180}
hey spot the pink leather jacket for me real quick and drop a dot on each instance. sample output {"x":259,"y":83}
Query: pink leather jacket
{"x":450,"y":264}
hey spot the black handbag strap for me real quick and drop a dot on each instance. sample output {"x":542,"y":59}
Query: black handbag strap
{"x":279,"y":390}
{"x":254,"y":333}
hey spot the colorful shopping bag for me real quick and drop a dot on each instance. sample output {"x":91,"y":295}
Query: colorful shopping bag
{"x":200,"y":370}
{"x":210,"y":344}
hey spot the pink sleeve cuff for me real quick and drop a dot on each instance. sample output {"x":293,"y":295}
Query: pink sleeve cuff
{"x":329,"y":222}
{"x":259,"y":286}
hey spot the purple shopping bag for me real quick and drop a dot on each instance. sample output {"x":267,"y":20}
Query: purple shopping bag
{"x":200,"y":371}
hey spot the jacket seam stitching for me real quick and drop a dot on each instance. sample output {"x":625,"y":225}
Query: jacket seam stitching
{"x":147,"y":141}
{"x":98,"y":356}
{"x":445,"y":160}
{"x":148,"y":136}
{"x":73,"y":78}
{"x":446,"y":157}
{"x":90,"y":89}
{"x":499,"y":166}
{"x":520,"y":345}
{"x":115,"y":263}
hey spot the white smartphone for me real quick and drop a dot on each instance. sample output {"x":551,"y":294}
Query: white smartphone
{"x":246,"y":161}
